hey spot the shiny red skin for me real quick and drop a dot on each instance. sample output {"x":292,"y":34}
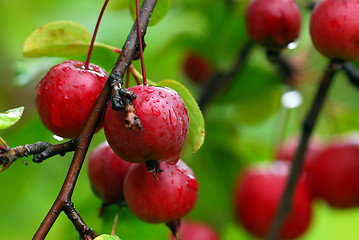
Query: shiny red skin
{"x":335,"y":173}
{"x":169,"y":198}
{"x":197,"y":68}
{"x":334,"y":28}
{"x":107,"y":173}
{"x":165,"y":122}
{"x":196,"y":231}
{"x":257,"y":196}
{"x":273,"y":23}
{"x":66,"y":95}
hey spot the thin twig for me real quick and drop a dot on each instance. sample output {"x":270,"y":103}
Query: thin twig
{"x":95,"y":116}
{"x":284,"y":207}
{"x":220,"y":81}
{"x":39,"y":150}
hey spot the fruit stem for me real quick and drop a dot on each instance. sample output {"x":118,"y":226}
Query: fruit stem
{"x":115,"y":221}
{"x":87,"y":63}
{"x":140,"y":42}
{"x":284,"y":207}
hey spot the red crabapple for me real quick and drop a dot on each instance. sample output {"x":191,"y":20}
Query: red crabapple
{"x":66,"y":95}
{"x":257,"y":196}
{"x":190,"y":230}
{"x":107,"y":172}
{"x":273,"y":23}
{"x":167,"y":199}
{"x":334,"y":28}
{"x":165,"y":122}
{"x":197,"y":68}
{"x":334,"y":173}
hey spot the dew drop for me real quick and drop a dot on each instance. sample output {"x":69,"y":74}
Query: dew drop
{"x":163,"y":95}
{"x":180,"y":190}
{"x":149,"y":90}
{"x":147,"y":99}
{"x":192,"y":183}
{"x":163,"y":105}
{"x":173,"y":117}
{"x":155,"y":110}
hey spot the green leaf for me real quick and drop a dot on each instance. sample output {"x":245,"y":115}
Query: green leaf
{"x":60,"y":39}
{"x":196,"y":130}
{"x":10,"y":117}
{"x":158,"y":14}
{"x":107,"y":237}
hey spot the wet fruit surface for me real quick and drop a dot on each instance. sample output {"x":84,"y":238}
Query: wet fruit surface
{"x":273,"y":23}
{"x":334,"y":28}
{"x":257,"y":196}
{"x":165,"y":122}
{"x":107,"y":172}
{"x":169,"y":198}
{"x":66,"y":95}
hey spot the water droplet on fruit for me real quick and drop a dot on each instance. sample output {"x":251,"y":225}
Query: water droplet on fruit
{"x":163,"y":95}
{"x":180,"y":190}
{"x":173,"y":117}
{"x":65,"y":68}
{"x":155,"y":110}
{"x":147,"y":99}
{"x":192,"y":183}
{"x":149,"y":90}
{"x":58,"y":87}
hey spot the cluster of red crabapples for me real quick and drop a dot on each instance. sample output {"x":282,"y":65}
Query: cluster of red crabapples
{"x":65,"y":97}
{"x":330,"y":171}
{"x":329,"y":174}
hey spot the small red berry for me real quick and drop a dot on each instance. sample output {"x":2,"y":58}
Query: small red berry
{"x":161,"y":200}
{"x":273,"y":23}
{"x":334,"y":173}
{"x":197,"y":68}
{"x":190,"y":230}
{"x":257,"y":196}
{"x":165,"y":122}
{"x":334,"y":28}
{"x":107,"y":172}
{"x":66,"y":95}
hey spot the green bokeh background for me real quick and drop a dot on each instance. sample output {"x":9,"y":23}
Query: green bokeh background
{"x":243,"y":125}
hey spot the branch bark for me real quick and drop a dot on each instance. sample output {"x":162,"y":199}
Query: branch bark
{"x":284,"y":207}
{"x":119,"y":69}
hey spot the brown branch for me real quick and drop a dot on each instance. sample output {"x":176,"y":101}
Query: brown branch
{"x":86,"y":135}
{"x":39,"y":150}
{"x":284,"y":207}
{"x":84,"y":231}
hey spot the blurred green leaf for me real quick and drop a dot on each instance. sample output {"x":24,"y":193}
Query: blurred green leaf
{"x":10,"y":117}
{"x":158,"y":14}
{"x":34,"y":70}
{"x":60,"y":39}
{"x":107,"y":237}
{"x":196,"y":130}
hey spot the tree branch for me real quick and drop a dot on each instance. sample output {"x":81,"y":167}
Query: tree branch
{"x":40,"y":151}
{"x":284,"y":207}
{"x":86,"y":135}
{"x":352,"y":73}
{"x":220,"y":81}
